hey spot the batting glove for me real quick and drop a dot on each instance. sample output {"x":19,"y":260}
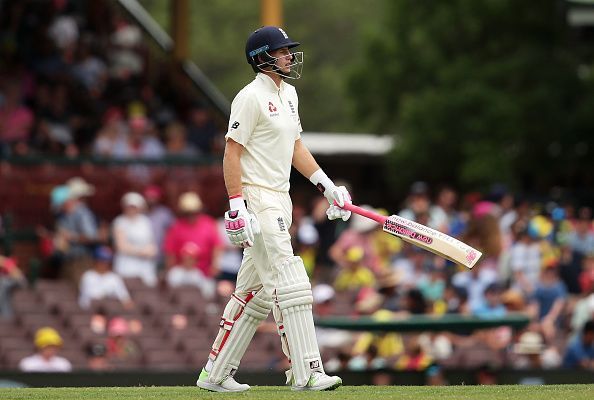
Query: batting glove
{"x":334,"y":212}
{"x":336,"y":195}
{"x":241,"y":226}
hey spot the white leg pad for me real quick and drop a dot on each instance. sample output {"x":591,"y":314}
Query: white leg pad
{"x":239,"y":322}
{"x":294,"y":298}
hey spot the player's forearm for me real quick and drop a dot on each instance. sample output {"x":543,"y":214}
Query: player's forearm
{"x":303,"y":160}
{"x":232,"y":167}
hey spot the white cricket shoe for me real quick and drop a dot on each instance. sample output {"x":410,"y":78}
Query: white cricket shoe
{"x":226,"y":385}
{"x":320,"y":381}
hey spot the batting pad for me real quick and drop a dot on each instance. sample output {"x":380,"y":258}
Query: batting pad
{"x":294,"y":299}
{"x":239,"y":322}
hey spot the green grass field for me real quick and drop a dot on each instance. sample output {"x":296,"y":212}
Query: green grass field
{"x":550,"y":392}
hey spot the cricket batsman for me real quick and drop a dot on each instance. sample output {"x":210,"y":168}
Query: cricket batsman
{"x":262,"y":143}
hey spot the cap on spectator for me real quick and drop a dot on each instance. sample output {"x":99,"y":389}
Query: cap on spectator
{"x":103,"y":253}
{"x":388,"y":279}
{"x":322,"y":293}
{"x":47,"y":337}
{"x":58,"y":196}
{"x":494,"y":288}
{"x":368,"y":301}
{"x":152,"y":192}
{"x":419,"y":188}
{"x":354,"y":254}
{"x":190,"y":249}
{"x":118,"y":326}
{"x":361,"y":224}
{"x":79,"y":187}
{"x":189,"y":202}
{"x":133,"y":199}
{"x":513,"y":300}
{"x":96,"y":350}
{"x":307,"y":234}
{"x":529,"y":343}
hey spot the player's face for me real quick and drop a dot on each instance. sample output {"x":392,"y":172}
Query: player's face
{"x":284,"y":59}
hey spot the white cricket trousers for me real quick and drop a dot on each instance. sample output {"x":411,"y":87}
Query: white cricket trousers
{"x":259,"y":267}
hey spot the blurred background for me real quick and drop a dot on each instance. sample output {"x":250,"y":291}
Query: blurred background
{"x":472,"y":117}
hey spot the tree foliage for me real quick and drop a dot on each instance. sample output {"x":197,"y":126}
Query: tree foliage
{"x":478,"y":92}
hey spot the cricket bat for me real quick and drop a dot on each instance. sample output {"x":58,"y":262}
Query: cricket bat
{"x":420,"y":235}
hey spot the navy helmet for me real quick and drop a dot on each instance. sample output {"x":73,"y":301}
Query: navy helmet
{"x":265,"y":40}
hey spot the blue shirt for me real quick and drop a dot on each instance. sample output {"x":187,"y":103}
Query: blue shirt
{"x":576,"y":352}
{"x":547,"y":295}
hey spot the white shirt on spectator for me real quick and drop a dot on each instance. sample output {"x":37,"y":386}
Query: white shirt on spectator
{"x":139,"y":233}
{"x":525,"y":258}
{"x":96,"y":286}
{"x":180,"y":276}
{"x":36,"y":363}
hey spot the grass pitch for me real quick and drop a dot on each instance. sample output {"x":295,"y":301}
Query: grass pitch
{"x":549,"y":392}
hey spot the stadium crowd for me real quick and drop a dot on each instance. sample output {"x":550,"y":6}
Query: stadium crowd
{"x":144,"y":289}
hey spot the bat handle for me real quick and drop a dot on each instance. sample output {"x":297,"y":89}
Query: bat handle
{"x":380,"y":219}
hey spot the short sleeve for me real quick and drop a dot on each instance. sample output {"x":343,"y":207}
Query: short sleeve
{"x":244,"y":117}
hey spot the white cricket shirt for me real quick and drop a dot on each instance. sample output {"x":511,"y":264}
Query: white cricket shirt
{"x":265,"y":121}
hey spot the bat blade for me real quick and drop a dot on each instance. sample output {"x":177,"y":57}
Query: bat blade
{"x":432,"y":240}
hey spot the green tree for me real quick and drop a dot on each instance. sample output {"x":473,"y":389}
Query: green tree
{"x":478,"y":92}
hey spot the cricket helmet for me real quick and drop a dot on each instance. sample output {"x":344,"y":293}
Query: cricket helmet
{"x":265,"y":40}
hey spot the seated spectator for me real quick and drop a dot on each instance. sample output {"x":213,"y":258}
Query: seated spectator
{"x":186,"y":274}
{"x":138,"y":143}
{"x":97,"y":357}
{"x":525,"y":258}
{"x":492,"y":306}
{"x":202,"y":131}
{"x":11,"y":278}
{"x":160,"y":216}
{"x":354,"y":274}
{"x":196,"y":227}
{"x":111,"y":133}
{"x":549,"y":299}
{"x":16,"y":121}
{"x":586,"y":277}
{"x":328,"y":338}
{"x":135,"y":245}
{"x":48,"y":343}
{"x":100,"y":282}
{"x":580,"y":352}
{"x":230,"y":259}
{"x":531,"y":353}
{"x":121,"y":349}
{"x":176,"y":143}
{"x":581,"y":240}
{"x":474,"y":282}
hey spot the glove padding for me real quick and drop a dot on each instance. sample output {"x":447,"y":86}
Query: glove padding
{"x":334,"y":211}
{"x":241,"y":227}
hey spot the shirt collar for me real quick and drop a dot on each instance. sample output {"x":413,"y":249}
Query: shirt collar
{"x":268,"y":83}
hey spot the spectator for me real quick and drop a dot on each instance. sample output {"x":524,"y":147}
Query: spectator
{"x":121,"y":349}
{"x":202,"y":131}
{"x":581,"y":240}
{"x":196,"y":227}
{"x":186,"y":274}
{"x":418,"y":203}
{"x":531,"y":353}
{"x":16,"y":121}
{"x":354,"y":274}
{"x":550,"y":298}
{"x":492,"y":306}
{"x":11,"y":278}
{"x":580,"y":352}
{"x":138,"y":143}
{"x":474,"y":282}
{"x":160,"y":215}
{"x":97,"y":357}
{"x":48,"y":343}
{"x":230,"y":259}
{"x":135,"y":245}
{"x":524,"y":259}
{"x":176,"y":143}
{"x":111,"y":134}
{"x":100,"y":282}
{"x":359,"y":234}
{"x":89,"y":69}
{"x":328,"y":338}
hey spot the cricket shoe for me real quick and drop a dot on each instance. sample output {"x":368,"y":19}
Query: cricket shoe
{"x":319,"y":381}
{"x":226,"y":385}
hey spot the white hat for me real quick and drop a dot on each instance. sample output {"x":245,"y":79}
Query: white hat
{"x":322,"y":293}
{"x":78,"y":187}
{"x":189,"y":202}
{"x":133,"y":199}
{"x":529,"y":343}
{"x":362,"y":224}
